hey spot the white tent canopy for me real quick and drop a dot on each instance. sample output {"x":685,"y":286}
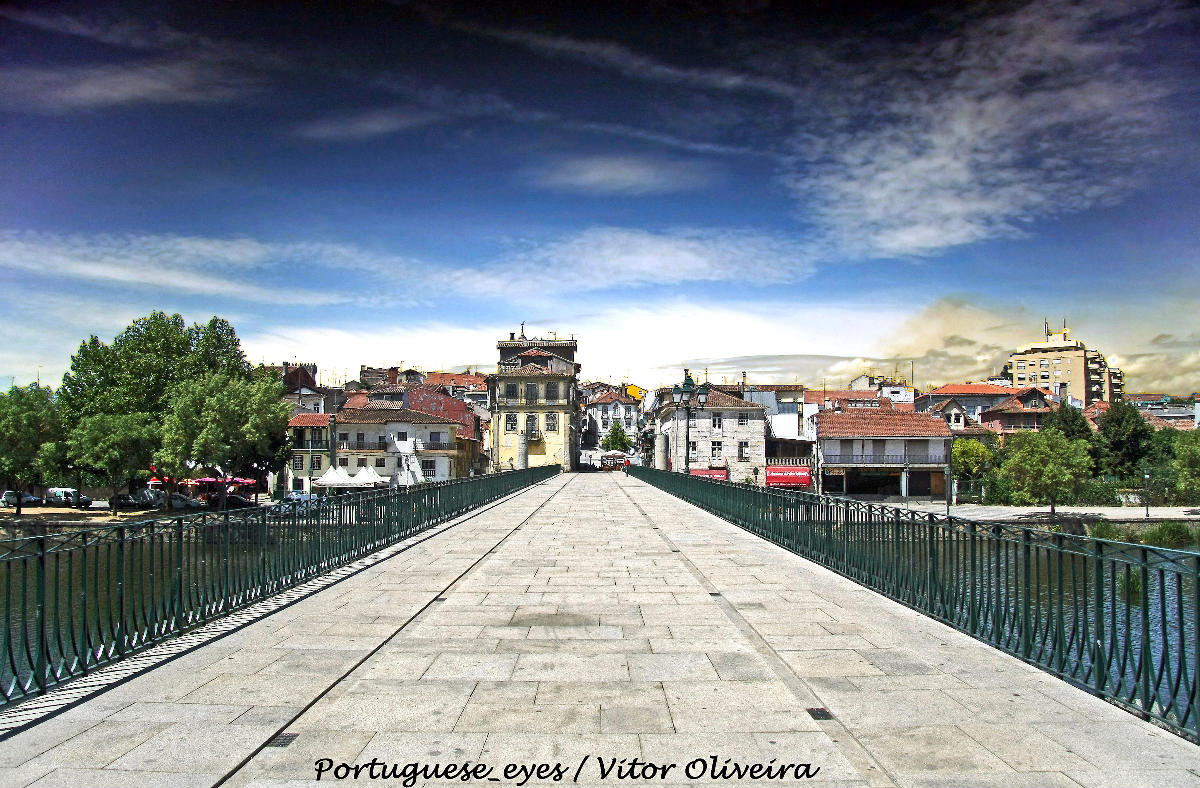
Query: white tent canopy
{"x":368,"y":477}
{"x":336,"y":477}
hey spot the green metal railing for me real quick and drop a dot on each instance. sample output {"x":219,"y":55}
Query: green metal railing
{"x":76,"y":601}
{"x":1116,"y":619}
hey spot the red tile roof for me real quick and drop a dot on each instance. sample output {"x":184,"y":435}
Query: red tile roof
{"x":818,"y":396}
{"x":1017,"y":403}
{"x":309,"y":420}
{"x":864,"y":423}
{"x":384,"y":412}
{"x":355,"y":400}
{"x":536,"y":352}
{"x":971,"y":388}
{"x":612,"y":396}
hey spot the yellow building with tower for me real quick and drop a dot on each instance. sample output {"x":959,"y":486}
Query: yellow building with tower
{"x":535,"y":404}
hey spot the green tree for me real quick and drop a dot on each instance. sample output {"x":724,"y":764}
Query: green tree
{"x":28,"y":420}
{"x":616,"y":439}
{"x":224,"y":424}
{"x":1070,"y":422}
{"x":115,"y":446}
{"x":971,"y":458}
{"x":1045,"y":467}
{"x":1187,"y":465}
{"x":1124,"y":440}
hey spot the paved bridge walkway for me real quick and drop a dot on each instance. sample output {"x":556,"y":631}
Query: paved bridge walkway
{"x":594,"y":615}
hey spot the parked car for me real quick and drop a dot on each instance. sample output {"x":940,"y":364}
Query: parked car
{"x":300,"y":496}
{"x":182,"y":503}
{"x":124,"y":501}
{"x":67,"y":496}
{"x":10,"y":499}
{"x":148,"y":498}
{"x":231,"y":502}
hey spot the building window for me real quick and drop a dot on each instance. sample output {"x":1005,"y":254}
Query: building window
{"x":716,"y":449}
{"x":343,"y":436}
{"x":551,"y":422}
{"x":316,"y":462}
{"x":429,"y":467}
{"x":1020,"y":365}
{"x":691,"y":419}
{"x":531,"y":392}
{"x":297,"y":484}
{"x":510,"y":422}
{"x":744,"y":451}
{"x":510,"y":391}
{"x":552,"y":391}
{"x":362,"y":462}
{"x":743,"y":419}
{"x":692,"y":449}
{"x":402,"y":436}
{"x":1045,"y":363}
{"x":298,"y":462}
{"x":435,"y":437}
{"x":716,"y":421}
{"x":343,"y":462}
{"x":628,"y":421}
{"x":381,"y":462}
{"x":531,"y":423}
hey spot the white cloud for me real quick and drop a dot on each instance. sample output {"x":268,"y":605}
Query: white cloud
{"x":615,"y":174}
{"x":217,"y":268}
{"x":647,"y":345}
{"x":602,"y":258}
{"x":366,"y":125}
{"x":638,"y":66}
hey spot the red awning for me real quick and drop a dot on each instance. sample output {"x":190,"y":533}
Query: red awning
{"x":789,"y":476}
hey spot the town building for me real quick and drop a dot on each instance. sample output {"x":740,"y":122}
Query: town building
{"x":1066,"y":368}
{"x":973,"y":398}
{"x":602,"y":411}
{"x":369,"y":377}
{"x":723,"y":439}
{"x":876,"y":454}
{"x":1024,"y":411}
{"x":466,"y":386}
{"x":311,"y":456}
{"x":1093,"y":413}
{"x":470,"y":458}
{"x":402,"y":445}
{"x":1177,"y":411}
{"x":958,"y":419}
{"x":535,"y":404}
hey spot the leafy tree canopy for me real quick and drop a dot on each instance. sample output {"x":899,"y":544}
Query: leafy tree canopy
{"x":28,"y":420}
{"x":1187,"y":464}
{"x":616,"y":439}
{"x":1070,"y":422}
{"x":1124,"y":439}
{"x":1045,"y":467}
{"x":971,"y":458}
{"x":115,"y":446}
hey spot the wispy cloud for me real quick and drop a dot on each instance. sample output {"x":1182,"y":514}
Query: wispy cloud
{"x":366,"y":125}
{"x":605,"y":258}
{"x":169,"y":67}
{"x":608,"y":54}
{"x":616,"y":174}
{"x":213,"y":268}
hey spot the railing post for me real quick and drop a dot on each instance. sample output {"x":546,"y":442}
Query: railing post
{"x":42,"y":663}
{"x":1146,"y":679}
{"x":973,"y":581}
{"x":121,"y":622}
{"x":179,"y":608}
{"x":1099,"y":668}
{"x":931,"y":576}
{"x":1026,"y":634}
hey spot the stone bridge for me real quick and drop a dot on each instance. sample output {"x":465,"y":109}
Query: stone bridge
{"x":586,"y":621}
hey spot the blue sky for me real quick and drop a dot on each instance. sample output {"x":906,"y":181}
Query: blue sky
{"x":802,"y":196}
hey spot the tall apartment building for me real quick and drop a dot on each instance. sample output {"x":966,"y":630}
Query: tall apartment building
{"x":1066,"y":368}
{"x":535,"y":404}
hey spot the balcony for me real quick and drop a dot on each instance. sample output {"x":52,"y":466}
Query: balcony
{"x":311,"y":445}
{"x":420,"y":445}
{"x":533,"y":435}
{"x":376,"y":445}
{"x":882,"y":459}
{"x":792,"y":461}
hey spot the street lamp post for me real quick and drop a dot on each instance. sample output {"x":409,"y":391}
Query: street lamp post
{"x":682,"y":397}
{"x":1146,"y":491}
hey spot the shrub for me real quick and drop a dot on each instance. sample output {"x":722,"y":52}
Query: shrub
{"x":1103,"y":529}
{"x":1095,"y":492}
{"x":1172,"y":534}
{"x":997,"y":489}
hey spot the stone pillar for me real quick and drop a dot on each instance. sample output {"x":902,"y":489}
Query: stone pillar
{"x":660,"y":452}
{"x":522,"y":451}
